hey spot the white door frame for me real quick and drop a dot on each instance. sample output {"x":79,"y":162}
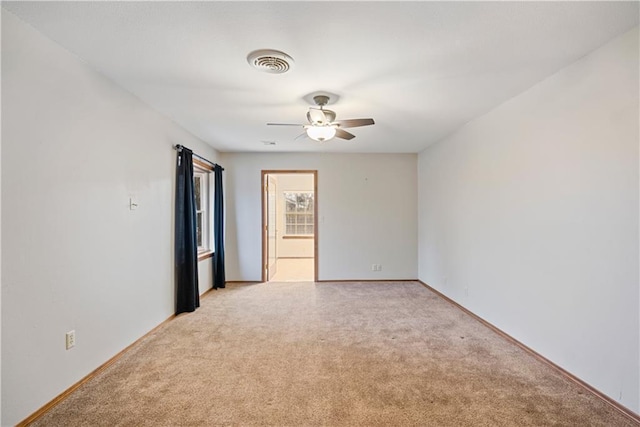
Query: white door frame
{"x":265,"y":237}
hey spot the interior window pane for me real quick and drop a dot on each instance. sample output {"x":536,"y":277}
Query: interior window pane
{"x":199,"y":228}
{"x":290,"y":197}
{"x":299,"y":213}
{"x":196,"y":182}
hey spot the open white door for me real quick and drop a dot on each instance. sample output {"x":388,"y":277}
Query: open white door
{"x":272,"y":232}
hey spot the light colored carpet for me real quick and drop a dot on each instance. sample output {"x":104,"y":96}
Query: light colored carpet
{"x":293,"y":270}
{"x":332,"y":354}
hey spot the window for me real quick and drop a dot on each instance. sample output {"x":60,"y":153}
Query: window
{"x":299,"y":213}
{"x":201,"y":177}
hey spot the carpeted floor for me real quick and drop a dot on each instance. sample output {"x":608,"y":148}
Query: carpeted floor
{"x":294,"y":270}
{"x":332,"y":354}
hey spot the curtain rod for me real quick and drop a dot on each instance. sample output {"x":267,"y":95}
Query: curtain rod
{"x":180,"y":147}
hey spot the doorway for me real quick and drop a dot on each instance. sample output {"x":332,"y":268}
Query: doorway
{"x":289,"y":225}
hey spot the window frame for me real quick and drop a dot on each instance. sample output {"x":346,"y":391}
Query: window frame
{"x":297,"y":214}
{"x":202,"y":171}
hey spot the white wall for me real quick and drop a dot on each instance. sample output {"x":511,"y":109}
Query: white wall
{"x":291,"y":248}
{"x":0,"y":247}
{"x":74,"y":147}
{"x":366,"y":207}
{"x":205,"y":275}
{"x":528,"y":216}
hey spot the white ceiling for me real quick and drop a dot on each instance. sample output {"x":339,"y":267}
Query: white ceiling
{"x":420,"y":69}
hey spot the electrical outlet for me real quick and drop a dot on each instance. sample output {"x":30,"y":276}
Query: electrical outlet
{"x":374,"y":267}
{"x":379,"y":267}
{"x":70,"y":339}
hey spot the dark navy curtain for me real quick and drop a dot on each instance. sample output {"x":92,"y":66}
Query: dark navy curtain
{"x":186,"y":250}
{"x":218,"y":230}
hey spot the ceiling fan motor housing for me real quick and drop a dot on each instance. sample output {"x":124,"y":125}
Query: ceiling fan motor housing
{"x":320,"y":117}
{"x":321,"y":100}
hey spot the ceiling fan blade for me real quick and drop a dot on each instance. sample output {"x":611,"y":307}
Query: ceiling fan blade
{"x":340,"y":133}
{"x":284,"y":124}
{"x":316,"y":116}
{"x":302,"y":135}
{"x":354,"y":123}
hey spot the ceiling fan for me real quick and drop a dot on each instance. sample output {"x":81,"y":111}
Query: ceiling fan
{"x":323,"y":125}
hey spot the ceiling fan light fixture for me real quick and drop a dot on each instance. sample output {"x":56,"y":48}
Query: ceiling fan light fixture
{"x":321,"y":133}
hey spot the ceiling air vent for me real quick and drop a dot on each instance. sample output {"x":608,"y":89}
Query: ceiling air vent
{"x":270,"y":61}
